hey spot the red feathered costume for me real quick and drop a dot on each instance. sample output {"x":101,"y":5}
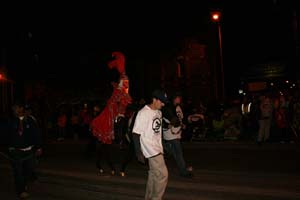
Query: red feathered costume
{"x":103,"y":125}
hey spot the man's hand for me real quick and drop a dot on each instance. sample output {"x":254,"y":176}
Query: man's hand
{"x":10,"y":149}
{"x":39,"y":152}
{"x":141,"y":157}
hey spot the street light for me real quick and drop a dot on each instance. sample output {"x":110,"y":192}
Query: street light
{"x":6,"y":92}
{"x":216,"y":16}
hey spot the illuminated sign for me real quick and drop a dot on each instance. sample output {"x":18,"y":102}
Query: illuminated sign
{"x":257,"y":86}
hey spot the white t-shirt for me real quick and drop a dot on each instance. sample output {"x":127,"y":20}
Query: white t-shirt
{"x":148,"y":124}
{"x":174,"y":132}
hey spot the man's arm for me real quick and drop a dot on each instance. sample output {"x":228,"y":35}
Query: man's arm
{"x":37,"y":134}
{"x":137,"y":147}
{"x":4,"y":134}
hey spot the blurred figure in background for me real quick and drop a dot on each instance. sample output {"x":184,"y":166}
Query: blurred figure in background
{"x":172,"y":130}
{"x":92,"y":140}
{"x":266,"y":113}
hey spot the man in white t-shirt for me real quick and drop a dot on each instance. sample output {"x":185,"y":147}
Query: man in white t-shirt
{"x":147,"y":133}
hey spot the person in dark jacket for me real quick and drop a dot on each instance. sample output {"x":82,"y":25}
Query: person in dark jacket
{"x":24,"y":144}
{"x":172,"y":129}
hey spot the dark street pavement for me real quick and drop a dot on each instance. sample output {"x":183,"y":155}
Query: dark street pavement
{"x":222,"y":170}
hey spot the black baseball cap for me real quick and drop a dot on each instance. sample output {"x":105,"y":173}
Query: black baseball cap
{"x":19,"y":103}
{"x":161,"y":95}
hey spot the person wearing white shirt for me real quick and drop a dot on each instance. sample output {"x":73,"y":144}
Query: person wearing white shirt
{"x":147,"y":133}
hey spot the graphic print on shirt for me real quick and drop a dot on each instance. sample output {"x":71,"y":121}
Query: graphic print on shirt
{"x":156,"y":124}
{"x":179,"y":113}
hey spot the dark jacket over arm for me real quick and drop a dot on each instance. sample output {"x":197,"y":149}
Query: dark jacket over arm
{"x":31,"y":135}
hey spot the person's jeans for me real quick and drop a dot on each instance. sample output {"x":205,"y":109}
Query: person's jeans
{"x":23,"y":166}
{"x":174,"y":147}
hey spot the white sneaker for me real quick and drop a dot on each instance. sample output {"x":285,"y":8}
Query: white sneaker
{"x":190,"y":168}
{"x":24,"y":195}
{"x":122,"y":174}
{"x":113,"y":172}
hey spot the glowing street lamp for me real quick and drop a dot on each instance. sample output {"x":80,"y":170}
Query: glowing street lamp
{"x":7,"y":92}
{"x":216,"y":17}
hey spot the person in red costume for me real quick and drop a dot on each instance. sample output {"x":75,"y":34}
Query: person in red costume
{"x":103,"y":125}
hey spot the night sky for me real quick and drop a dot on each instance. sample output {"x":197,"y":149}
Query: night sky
{"x":45,"y":41}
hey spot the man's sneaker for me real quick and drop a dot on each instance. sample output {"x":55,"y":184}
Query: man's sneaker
{"x":113,"y":172}
{"x":101,"y":171}
{"x":24,"y":195}
{"x":122,"y":174}
{"x":188,"y":175}
{"x":189,"y":168}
